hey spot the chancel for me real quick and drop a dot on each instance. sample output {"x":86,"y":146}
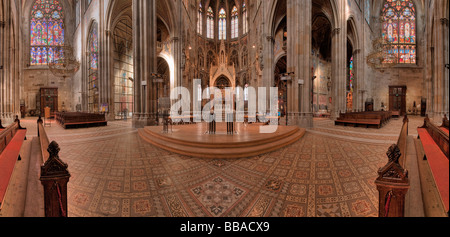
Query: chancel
{"x":224,"y":108}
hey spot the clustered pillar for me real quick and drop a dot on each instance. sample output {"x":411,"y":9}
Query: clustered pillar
{"x":9,"y":74}
{"x":145,"y":62}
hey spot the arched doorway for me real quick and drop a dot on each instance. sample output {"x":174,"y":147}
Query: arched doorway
{"x":123,"y":69}
{"x":280,"y":69}
{"x":221,"y":84}
{"x":321,"y":64}
{"x":163,"y":84}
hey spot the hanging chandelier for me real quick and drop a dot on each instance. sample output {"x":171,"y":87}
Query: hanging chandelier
{"x":380,"y":58}
{"x":65,"y":65}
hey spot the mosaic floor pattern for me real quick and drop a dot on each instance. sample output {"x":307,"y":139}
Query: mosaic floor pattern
{"x":330,"y":172}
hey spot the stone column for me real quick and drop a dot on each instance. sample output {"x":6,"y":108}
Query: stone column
{"x":145,"y":61}
{"x":358,"y":63}
{"x":268,"y":65}
{"x":339,"y":71}
{"x":445,"y":42}
{"x":107,"y":73}
{"x":439,"y":77}
{"x":2,"y":65}
{"x":299,"y":17}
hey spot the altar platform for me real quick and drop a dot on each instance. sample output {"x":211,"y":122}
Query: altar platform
{"x":247,"y":141}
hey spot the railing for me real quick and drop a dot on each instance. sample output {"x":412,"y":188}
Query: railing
{"x":393,"y":182}
{"x":54,"y":176}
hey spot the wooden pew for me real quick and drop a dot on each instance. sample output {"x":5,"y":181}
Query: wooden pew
{"x":444,"y":125}
{"x":393,"y":182}
{"x":78,"y":120}
{"x":54,"y":176}
{"x":366,"y":119}
{"x":11,"y":140}
{"x":440,"y":138}
{"x":435,"y":143}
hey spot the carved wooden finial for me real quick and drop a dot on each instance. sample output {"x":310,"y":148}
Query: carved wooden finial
{"x":405,"y":119}
{"x":40,"y":119}
{"x":53,"y":149}
{"x":394,"y":153}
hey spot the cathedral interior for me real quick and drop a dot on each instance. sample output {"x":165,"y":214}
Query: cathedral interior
{"x":87,"y":89}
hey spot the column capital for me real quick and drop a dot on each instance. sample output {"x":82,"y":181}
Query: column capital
{"x":335,"y":31}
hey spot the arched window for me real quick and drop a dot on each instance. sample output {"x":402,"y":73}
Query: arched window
{"x":93,"y":83}
{"x":210,"y":23}
{"x":200,"y":19}
{"x":123,"y":69}
{"x":244,"y":19}
{"x":399,"y":31}
{"x":222,"y":24}
{"x":234,"y":23}
{"x":46,"y":31}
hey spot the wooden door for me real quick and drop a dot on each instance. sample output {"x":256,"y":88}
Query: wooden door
{"x":397,"y":99}
{"x":49,"y":98}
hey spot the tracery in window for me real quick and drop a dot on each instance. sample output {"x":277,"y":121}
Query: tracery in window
{"x":46,"y":31}
{"x":210,"y":23}
{"x":222,"y":24}
{"x":234,"y":23}
{"x":399,"y":31}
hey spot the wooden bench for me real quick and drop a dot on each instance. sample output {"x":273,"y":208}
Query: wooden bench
{"x":366,"y":119}
{"x":11,"y":141}
{"x":80,"y":120}
{"x":54,"y":176}
{"x":396,"y":114}
{"x":444,"y":126}
{"x":435,"y":143}
{"x":393,"y":182}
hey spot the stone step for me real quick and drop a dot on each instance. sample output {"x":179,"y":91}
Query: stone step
{"x":211,"y":152}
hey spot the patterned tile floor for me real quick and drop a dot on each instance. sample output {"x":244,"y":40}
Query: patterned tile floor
{"x":330,"y":172}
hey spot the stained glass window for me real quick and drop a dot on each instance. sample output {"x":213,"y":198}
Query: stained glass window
{"x":399,"y":31}
{"x":93,"y":68}
{"x":244,"y":19}
{"x":234,"y":23}
{"x":200,"y":19}
{"x":46,"y":31}
{"x":210,"y":24}
{"x":222,"y":24}
{"x":351,"y":75}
